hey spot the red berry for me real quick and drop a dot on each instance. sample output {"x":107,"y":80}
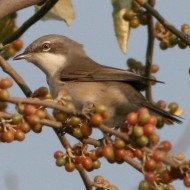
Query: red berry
{"x":148,"y":129}
{"x":150,"y":177}
{"x":132,"y":118}
{"x":87,"y":163}
{"x":19,"y":135}
{"x":6,"y":83}
{"x":7,"y":136}
{"x":96,"y":119}
{"x":150,"y":165}
{"x":69,"y":166}
{"x":138,"y":153}
{"x":29,"y":109}
{"x":17,"y":44}
{"x":108,"y":152}
{"x":86,"y":130}
{"x":58,"y":154}
{"x":166,"y":146}
{"x":158,"y":156}
{"x":99,"y":179}
{"x":186,"y":181}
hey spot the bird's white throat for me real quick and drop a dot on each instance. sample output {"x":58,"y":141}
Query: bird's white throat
{"x":49,"y":63}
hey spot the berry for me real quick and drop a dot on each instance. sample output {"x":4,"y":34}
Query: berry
{"x":101,"y":109}
{"x":142,"y":141}
{"x":69,"y":166}
{"x":132,"y":118}
{"x":87,"y":163}
{"x":17,"y":44}
{"x":86,"y":130}
{"x":58,"y":154}
{"x":7,"y":136}
{"x":134,"y":22}
{"x":77,"y":132}
{"x":96,"y":119}
{"x":150,"y":177}
{"x":150,"y":165}
{"x":60,"y":161}
{"x":138,"y":131}
{"x":186,"y":181}
{"x":75,"y":121}
{"x":4,"y":94}
{"x":19,"y":135}
{"x":6,"y":83}
{"x":98,"y":179}
{"x":29,"y":110}
{"x":108,"y":152}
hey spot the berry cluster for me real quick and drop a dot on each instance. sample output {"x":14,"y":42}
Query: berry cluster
{"x":100,"y":183}
{"x":13,"y":127}
{"x":32,"y":114}
{"x":141,"y":126}
{"x":136,"y":15}
{"x":78,"y":158}
{"x":168,"y":39}
{"x":9,"y":26}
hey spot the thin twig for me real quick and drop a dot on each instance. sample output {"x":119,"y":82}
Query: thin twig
{"x":19,"y":80}
{"x":106,"y":129}
{"x":184,"y":37}
{"x":149,"y":53}
{"x":45,"y":103}
{"x":37,"y":16}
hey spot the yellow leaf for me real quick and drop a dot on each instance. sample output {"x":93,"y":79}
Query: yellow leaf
{"x":121,"y":26}
{"x":63,"y":10}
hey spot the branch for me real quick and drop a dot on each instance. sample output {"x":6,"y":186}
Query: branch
{"x":184,"y":37}
{"x":149,"y":53}
{"x":37,"y":16}
{"x":6,"y":67}
{"x":9,"y":6}
{"x":45,"y":103}
{"x":106,"y":129}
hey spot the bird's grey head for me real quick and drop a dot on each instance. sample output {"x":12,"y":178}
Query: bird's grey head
{"x":51,"y":52}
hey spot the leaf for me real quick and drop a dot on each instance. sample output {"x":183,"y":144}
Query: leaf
{"x":7,"y":25}
{"x":63,"y":10}
{"x":121,"y":26}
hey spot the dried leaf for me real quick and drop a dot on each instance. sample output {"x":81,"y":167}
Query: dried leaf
{"x":7,"y":25}
{"x":63,"y":10}
{"x":180,"y":111}
{"x":121,"y":26}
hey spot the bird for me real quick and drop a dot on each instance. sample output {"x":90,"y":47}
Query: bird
{"x":70,"y":72}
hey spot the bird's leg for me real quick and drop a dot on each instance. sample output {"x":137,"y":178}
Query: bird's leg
{"x":88,"y":109}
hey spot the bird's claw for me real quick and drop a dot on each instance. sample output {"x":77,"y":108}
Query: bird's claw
{"x":88,"y":109}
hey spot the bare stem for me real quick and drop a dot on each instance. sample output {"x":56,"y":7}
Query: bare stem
{"x":45,"y":103}
{"x":149,"y":53}
{"x":19,"y":80}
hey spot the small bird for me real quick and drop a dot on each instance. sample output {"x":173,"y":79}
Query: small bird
{"x":71,"y":73}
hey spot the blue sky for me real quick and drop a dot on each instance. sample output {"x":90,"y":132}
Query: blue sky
{"x":31,"y":162}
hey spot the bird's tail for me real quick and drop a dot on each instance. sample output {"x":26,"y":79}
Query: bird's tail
{"x":163,"y":113}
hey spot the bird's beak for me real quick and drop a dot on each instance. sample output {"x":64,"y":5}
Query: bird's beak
{"x":22,"y":56}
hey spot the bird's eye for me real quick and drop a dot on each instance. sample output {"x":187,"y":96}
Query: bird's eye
{"x":46,"y":46}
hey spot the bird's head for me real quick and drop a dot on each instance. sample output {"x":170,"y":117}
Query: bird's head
{"x":50,"y":53}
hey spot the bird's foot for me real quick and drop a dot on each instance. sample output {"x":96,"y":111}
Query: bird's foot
{"x":63,"y":100}
{"x":88,"y":109}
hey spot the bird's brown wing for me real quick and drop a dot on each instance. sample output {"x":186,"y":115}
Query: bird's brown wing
{"x":90,"y":71}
